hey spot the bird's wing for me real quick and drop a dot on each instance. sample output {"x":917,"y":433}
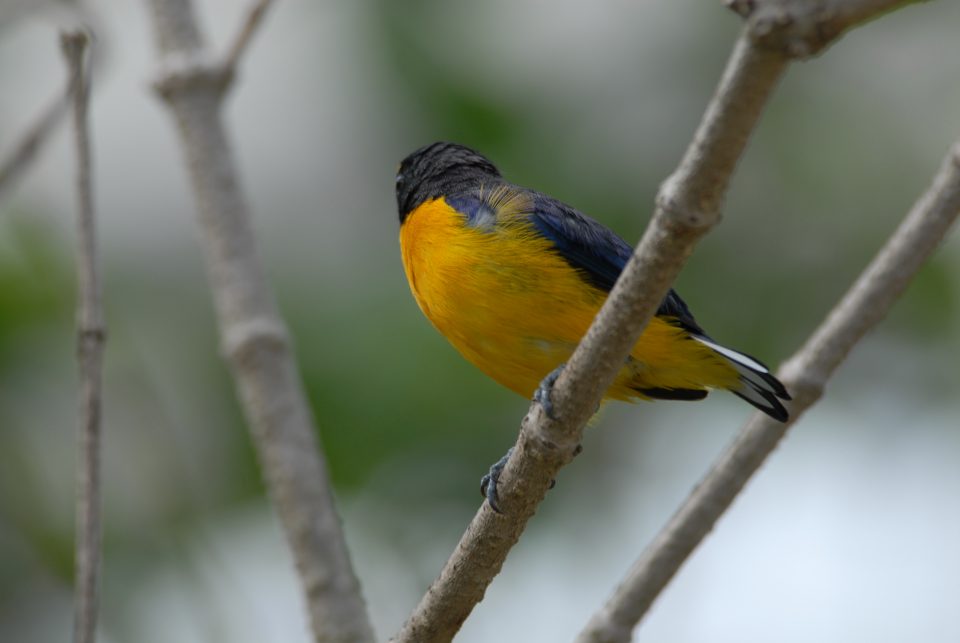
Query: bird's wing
{"x":593,"y":250}
{"x":596,"y":252}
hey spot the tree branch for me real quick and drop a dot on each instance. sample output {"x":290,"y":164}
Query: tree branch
{"x":90,"y":339}
{"x":803,"y":28}
{"x":805,"y":375}
{"x":250,"y":25}
{"x":255,"y":340}
{"x":25,"y":151}
{"x":36,"y":135}
{"x":688,"y":205}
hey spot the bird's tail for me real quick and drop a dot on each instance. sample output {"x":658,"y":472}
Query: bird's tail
{"x":757,"y":384}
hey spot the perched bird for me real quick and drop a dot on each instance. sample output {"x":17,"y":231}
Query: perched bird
{"x":513,"y":278}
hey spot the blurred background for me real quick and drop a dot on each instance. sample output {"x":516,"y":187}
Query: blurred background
{"x":850,"y":533}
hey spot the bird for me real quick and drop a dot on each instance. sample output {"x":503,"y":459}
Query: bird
{"x":513,"y":278}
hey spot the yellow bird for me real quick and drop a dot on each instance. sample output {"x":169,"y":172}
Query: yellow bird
{"x":513,"y":278}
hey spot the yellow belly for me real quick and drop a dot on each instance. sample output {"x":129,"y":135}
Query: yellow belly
{"x":515,"y":309}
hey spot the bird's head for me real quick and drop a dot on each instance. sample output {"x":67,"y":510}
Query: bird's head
{"x":438,"y":169}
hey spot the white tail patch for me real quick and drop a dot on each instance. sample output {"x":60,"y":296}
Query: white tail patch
{"x":733,"y":356}
{"x":752,"y":393}
{"x":757,"y":385}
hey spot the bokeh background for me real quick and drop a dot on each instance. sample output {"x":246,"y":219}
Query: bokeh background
{"x":850,"y":533}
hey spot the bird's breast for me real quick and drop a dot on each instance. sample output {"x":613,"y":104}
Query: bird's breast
{"x":499,"y":293}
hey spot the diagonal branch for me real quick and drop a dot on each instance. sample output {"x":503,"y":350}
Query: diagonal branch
{"x":805,"y":375}
{"x":251,"y":23}
{"x":36,"y":135}
{"x":90,"y":339}
{"x":255,"y":341}
{"x":688,"y":205}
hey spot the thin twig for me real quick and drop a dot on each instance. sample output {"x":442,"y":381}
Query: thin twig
{"x":688,"y":206}
{"x":90,"y":340}
{"x":255,"y":340}
{"x":250,"y":25}
{"x":805,"y":375}
{"x":36,"y":135}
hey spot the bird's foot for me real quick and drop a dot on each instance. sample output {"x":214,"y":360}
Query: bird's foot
{"x":542,"y":394}
{"x":488,"y":483}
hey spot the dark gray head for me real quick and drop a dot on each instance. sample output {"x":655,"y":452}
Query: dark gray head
{"x":439,"y":169}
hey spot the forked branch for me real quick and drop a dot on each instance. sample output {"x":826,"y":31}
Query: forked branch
{"x":805,"y":376}
{"x":254,"y":338}
{"x":688,"y":205}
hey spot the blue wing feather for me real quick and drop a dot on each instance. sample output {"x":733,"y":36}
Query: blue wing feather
{"x":597,"y":252}
{"x":591,"y":248}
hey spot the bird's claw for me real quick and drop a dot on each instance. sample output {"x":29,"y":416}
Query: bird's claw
{"x":488,"y":484}
{"x":542,"y":394}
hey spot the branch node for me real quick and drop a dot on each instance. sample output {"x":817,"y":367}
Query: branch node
{"x":681,"y":212}
{"x":801,"y":30}
{"x":74,"y":43}
{"x":184,"y":73}
{"x":742,"y":7}
{"x":795,"y":36}
{"x":96,"y":334}
{"x":243,"y":339}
